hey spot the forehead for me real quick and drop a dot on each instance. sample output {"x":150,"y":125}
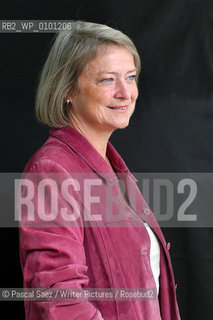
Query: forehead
{"x":111,"y":58}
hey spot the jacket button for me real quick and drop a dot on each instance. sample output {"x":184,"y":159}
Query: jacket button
{"x":143,"y":252}
{"x":168,"y":245}
{"x":146,"y":211}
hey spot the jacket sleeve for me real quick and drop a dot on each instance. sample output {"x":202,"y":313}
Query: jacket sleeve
{"x":51,"y":245}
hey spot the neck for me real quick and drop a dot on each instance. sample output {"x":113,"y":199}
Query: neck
{"x":97,"y":138}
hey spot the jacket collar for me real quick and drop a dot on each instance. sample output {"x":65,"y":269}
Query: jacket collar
{"x":77,"y":142}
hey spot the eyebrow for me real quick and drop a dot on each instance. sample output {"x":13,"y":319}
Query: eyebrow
{"x":111,"y":72}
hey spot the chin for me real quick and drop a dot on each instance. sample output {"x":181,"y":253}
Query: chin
{"x":122,"y":125}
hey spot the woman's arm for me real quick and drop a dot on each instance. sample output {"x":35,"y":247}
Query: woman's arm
{"x":52,"y":252}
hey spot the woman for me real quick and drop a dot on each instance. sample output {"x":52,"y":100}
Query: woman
{"x":102,"y":235}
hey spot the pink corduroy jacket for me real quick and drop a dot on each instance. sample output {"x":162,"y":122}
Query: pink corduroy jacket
{"x":80,"y":253}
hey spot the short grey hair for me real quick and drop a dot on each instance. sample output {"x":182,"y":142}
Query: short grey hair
{"x":71,"y":52}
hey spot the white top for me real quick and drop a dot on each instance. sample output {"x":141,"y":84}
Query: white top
{"x":154,"y":255}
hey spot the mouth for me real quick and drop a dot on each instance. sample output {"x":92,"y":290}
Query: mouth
{"x":119,"y":108}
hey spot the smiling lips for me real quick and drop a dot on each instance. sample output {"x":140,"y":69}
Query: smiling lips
{"x":119,"y":108}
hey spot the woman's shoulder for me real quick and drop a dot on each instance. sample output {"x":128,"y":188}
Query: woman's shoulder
{"x":53,"y":156}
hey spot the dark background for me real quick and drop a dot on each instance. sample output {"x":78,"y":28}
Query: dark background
{"x":171,"y":130}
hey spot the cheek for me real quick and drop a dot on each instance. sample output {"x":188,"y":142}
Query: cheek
{"x":104,"y":96}
{"x":135,"y":93}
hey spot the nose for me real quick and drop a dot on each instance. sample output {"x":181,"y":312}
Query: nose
{"x":123,"y":91}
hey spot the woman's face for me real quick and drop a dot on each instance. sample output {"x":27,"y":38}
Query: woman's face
{"x":107,"y":91}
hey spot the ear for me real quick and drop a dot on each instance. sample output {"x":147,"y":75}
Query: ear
{"x":67,"y":101}
{"x":70,"y":95}
{"x":68,"y":98}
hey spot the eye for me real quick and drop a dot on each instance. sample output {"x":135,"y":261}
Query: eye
{"x":107,"y":80}
{"x":132,"y":77}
